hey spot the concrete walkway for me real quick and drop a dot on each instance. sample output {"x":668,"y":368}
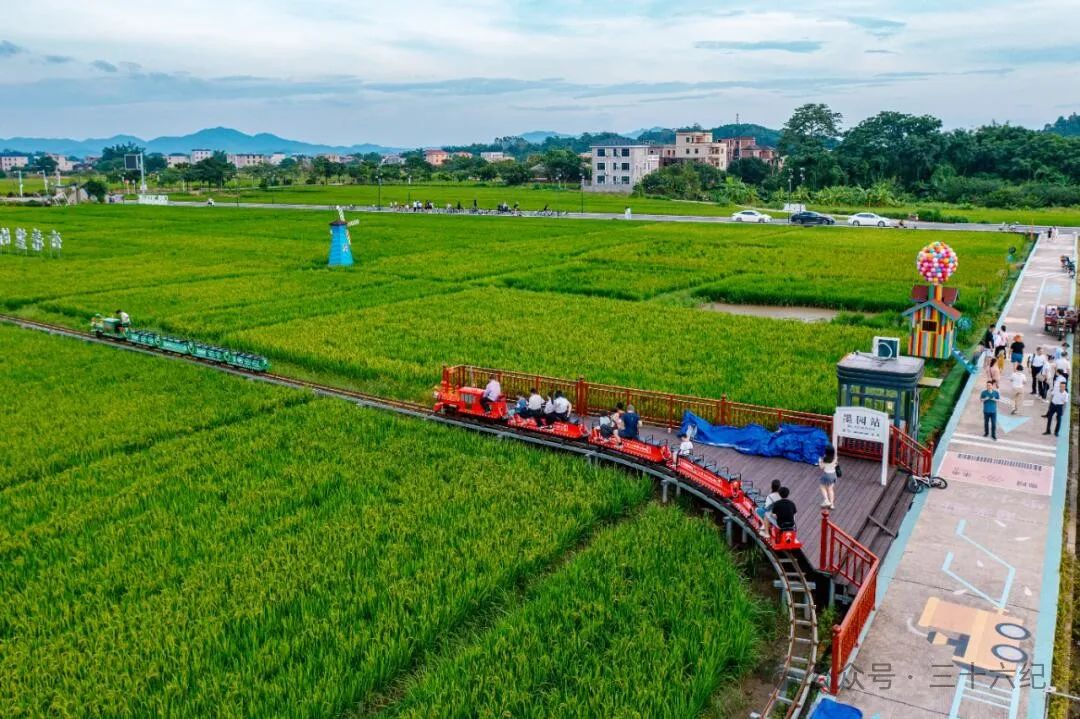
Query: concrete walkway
{"x":967,"y":597}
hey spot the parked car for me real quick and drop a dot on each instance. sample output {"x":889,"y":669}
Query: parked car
{"x":869,"y":219}
{"x":806,"y":217}
{"x":751,"y":216}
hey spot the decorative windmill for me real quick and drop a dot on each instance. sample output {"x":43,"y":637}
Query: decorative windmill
{"x":340,"y":243}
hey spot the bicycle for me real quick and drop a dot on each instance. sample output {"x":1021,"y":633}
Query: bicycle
{"x":917,"y":483}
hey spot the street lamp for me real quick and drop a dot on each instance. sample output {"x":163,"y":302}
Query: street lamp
{"x":378,"y":178}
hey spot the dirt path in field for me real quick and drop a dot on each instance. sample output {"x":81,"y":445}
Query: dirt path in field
{"x":806,"y":314}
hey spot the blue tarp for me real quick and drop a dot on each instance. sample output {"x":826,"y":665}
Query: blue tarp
{"x":830,"y":709}
{"x":791,"y":441}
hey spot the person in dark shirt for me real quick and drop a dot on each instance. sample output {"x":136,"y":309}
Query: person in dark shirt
{"x":783,"y":510}
{"x":630,"y":420}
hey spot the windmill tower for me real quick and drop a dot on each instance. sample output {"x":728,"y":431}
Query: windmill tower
{"x":340,"y":244}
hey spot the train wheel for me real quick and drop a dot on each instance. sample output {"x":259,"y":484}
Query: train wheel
{"x":97,"y":333}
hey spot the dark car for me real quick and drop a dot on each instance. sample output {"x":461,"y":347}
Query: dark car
{"x":810,"y":218}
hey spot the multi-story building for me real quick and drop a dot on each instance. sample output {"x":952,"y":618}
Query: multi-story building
{"x":436,"y":156}
{"x":200,"y":155}
{"x":332,"y":157}
{"x":746,"y":146}
{"x":493,"y":156}
{"x":392,"y":160}
{"x":247,"y":159}
{"x":176,"y":158}
{"x":12,"y":162}
{"x":277,"y":158}
{"x":63,"y":163}
{"x":91,"y":159}
{"x":619,"y":165}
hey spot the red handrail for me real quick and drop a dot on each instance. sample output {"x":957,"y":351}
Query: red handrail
{"x":841,"y":554}
{"x":666,"y":409}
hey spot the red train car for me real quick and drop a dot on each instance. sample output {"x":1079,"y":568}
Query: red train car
{"x":655,"y":453}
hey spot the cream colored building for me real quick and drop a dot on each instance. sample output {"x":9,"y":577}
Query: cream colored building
{"x":619,"y":166}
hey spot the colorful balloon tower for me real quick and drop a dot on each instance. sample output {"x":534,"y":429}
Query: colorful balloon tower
{"x":933,"y":318}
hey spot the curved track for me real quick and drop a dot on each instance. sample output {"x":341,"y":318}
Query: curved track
{"x":794,"y":677}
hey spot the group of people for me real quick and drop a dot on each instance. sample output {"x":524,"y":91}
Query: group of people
{"x":1049,"y":375}
{"x":546,"y":410}
{"x":620,"y":422}
{"x":778,"y":508}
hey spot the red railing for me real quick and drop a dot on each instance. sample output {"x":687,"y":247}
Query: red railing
{"x":842,"y":555}
{"x":666,"y":410}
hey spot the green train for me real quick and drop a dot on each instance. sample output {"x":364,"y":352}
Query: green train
{"x":114,"y":328}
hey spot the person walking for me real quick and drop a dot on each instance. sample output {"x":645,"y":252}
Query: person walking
{"x":988,"y":339}
{"x":990,"y":397}
{"x":1058,"y":399}
{"x":1018,"y":381}
{"x":993,"y":373}
{"x":827,"y":482}
{"x":1045,"y":374}
{"x":1001,"y":341}
{"x":1017,"y":349}
{"x":1035,"y":363}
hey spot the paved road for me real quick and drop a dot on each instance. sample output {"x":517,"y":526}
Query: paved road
{"x":968,"y":594}
{"x":971,"y":227}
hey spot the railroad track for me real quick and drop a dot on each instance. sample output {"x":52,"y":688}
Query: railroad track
{"x":795,"y":676}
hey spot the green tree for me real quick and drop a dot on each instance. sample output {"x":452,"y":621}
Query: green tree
{"x":805,"y":143}
{"x":892,"y":145}
{"x":214,"y":170}
{"x":751,"y":170}
{"x":514,"y":173}
{"x":43,"y":163}
{"x":96,"y":188}
{"x":155,"y":162}
{"x":566,"y":165}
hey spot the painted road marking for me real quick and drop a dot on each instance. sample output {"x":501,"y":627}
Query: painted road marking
{"x":1007,"y":442}
{"x":1008,"y":424}
{"x":997,"y":472}
{"x":1038,"y":303}
{"x":992,"y":443}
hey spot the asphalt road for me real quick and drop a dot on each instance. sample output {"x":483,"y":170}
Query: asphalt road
{"x":964,"y":227}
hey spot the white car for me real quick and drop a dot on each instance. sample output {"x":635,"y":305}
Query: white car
{"x":751,"y":216}
{"x":869,"y":219}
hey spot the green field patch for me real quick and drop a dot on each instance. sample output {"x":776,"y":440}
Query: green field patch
{"x":288,"y":565}
{"x":65,"y":402}
{"x":650,"y":620}
{"x":774,"y":362}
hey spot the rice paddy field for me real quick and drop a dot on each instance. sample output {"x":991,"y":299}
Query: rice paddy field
{"x":179,"y":542}
{"x":291,"y":556}
{"x":615,"y":301}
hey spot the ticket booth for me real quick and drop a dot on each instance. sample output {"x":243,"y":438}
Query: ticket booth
{"x":889,"y":385}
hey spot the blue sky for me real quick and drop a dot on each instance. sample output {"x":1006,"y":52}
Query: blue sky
{"x":430,"y":72}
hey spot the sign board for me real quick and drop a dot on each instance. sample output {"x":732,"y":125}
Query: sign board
{"x":864,"y":424}
{"x":132,"y":162}
{"x":153,"y":199}
{"x":887,"y":347}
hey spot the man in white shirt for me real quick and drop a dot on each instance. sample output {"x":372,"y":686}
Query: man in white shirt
{"x":1058,"y":399}
{"x":125,"y":318}
{"x":562,"y":407}
{"x":492,"y":393}
{"x":1035,"y":364}
{"x":1018,"y":381}
{"x":534,"y":407}
{"x":1062,"y":364}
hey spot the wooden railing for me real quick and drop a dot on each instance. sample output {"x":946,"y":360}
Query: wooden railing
{"x":666,"y":410}
{"x":842,"y":555}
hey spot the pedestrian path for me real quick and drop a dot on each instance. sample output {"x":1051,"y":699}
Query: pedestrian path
{"x":967,"y":596}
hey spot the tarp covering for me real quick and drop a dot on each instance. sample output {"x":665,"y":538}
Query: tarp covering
{"x":792,"y":441}
{"x":830,"y":709}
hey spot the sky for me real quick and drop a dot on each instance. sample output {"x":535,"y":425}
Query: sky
{"x":430,"y":72}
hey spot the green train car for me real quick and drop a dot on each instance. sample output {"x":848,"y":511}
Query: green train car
{"x":113,"y":328}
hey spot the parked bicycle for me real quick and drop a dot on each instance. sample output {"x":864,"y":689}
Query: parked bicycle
{"x":917,"y":483}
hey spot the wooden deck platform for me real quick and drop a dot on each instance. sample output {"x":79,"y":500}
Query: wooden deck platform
{"x":864,"y":509}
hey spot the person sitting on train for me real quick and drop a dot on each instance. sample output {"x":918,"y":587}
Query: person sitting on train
{"x":630,"y":421}
{"x":549,"y":410}
{"x":491,"y":393}
{"x":521,"y":407}
{"x":770,"y":500}
{"x":534,"y":407}
{"x":562,"y":407}
{"x":686,"y":447}
{"x":607,"y":426}
{"x":125,"y":318}
{"x":783,"y":510}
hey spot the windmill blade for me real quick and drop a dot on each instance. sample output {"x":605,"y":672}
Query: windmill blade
{"x":352,"y":223}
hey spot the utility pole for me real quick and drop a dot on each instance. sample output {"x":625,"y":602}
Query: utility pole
{"x":20,"y":182}
{"x":45,"y":179}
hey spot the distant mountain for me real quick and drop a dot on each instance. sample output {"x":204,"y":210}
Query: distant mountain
{"x":537,"y":137}
{"x":216,"y":138}
{"x":635,"y":134}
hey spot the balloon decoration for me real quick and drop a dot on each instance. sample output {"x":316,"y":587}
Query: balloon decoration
{"x":936,"y":262}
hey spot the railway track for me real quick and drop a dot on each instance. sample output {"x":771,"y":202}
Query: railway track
{"x":795,"y":676}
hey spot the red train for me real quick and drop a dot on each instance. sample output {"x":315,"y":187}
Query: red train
{"x":465,"y":402}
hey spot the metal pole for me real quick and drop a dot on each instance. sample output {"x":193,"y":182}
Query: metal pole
{"x":20,"y":183}
{"x":142,"y":174}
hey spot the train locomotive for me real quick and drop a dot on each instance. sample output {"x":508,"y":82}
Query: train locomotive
{"x":465,"y":402}
{"x":113,"y":328}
